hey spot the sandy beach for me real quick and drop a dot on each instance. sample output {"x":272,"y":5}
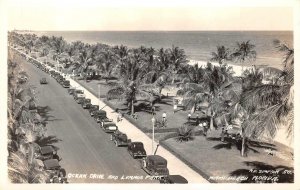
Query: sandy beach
{"x":238,"y":70}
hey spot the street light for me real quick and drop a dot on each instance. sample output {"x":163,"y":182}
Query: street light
{"x":153,"y":124}
{"x":99,"y":94}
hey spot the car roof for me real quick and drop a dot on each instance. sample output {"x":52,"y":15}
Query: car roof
{"x":137,"y":143}
{"x":177,"y":179}
{"x":51,"y":163}
{"x":156,"y":158}
{"x":47,"y":149}
{"x":109,"y":124}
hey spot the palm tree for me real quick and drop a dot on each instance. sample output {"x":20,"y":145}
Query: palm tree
{"x":244,"y":52}
{"x":87,"y":57}
{"x":58,"y":44}
{"x":107,"y":64}
{"x":266,"y":107}
{"x":131,"y":71}
{"x":221,"y":55}
{"x":20,"y":171}
{"x":177,"y":58}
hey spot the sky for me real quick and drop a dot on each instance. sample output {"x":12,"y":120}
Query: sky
{"x":165,"y":15}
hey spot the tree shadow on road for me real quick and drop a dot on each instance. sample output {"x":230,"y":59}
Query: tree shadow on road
{"x":44,"y":112}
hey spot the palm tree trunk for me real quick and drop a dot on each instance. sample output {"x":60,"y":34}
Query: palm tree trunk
{"x":243,"y":146}
{"x":132,"y":107}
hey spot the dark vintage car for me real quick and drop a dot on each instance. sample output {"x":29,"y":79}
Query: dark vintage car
{"x":43,"y":81}
{"x":76,"y":93}
{"x":61,"y":80}
{"x":52,"y":73}
{"x":109,"y":127}
{"x":56,"y":173}
{"x":137,"y":150}
{"x":45,"y":153}
{"x":93,"y":109}
{"x":52,"y":165}
{"x":100,"y":115}
{"x":120,"y":139}
{"x":66,"y":84}
{"x":71,"y":90}
{"x":173,"y":179}
{"x":155,"y":165}
{"x":79,"y":99}
{"x":86,"y":104}
{"x":105,"y":121}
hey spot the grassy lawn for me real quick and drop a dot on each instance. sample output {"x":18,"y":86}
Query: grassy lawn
{"x":206,"y":155}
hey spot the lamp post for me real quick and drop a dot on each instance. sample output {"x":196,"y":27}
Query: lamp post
{"x":99,"y":94}
{"x":153,"y":124}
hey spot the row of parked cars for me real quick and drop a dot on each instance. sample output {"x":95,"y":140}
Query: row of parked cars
{"x":154,"y":165}
{"x":47,"y":156}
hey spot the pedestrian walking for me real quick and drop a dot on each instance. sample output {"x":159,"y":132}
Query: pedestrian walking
{"x":119,"y":118}
{"x":174,"y":108}
{"x":153,"y":110}
{"x":164,"y":118}
{"x":197,"y":119}
{"x":189,"y":117}
{"x":223,"y":133}
{"x":205,"y":129}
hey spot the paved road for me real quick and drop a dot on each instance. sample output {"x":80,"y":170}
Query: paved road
{"x":85,"y":148}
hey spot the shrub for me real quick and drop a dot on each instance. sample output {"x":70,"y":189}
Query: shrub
{"x":184,"y":134}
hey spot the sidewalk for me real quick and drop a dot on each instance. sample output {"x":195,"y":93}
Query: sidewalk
{"x":175,"y":165}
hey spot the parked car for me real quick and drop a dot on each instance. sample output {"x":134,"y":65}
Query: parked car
{"x":155,"y":165}
{"x":173,"y":179}
{"x":105,"y":121}
{"x":52,"y":165}
{"x":86,"y":104}
{"x":61,"y":80}
{"x":76,"y":93}
{"x":66,"y":84}
{"x":56,"y":173}
{"x":100,"y":115}
{"x":79,"y":98}
{"x":136,"y":149}
{"x":71,"y":90}
{"x":45,"y":153}
{"x":120,"y":139}
{"x":43,"y":81}
{"x":93,"y":109}
{"x":22,"y":79}
{"x":109,"y":127}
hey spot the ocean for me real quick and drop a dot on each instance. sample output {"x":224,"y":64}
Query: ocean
{"x":198,"y":45}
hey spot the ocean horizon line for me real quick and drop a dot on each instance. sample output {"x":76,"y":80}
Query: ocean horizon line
{"x":151,"y":30}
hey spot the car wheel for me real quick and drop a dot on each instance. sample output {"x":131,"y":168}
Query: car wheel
{"x":62,"y":172}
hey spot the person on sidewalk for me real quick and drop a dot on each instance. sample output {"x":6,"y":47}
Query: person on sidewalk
{"x":175,"y":108}
{"x":153,"y":110}
{"x":189,"y":117}
{"x":164,"y":118}
{"x":120,"y":117}
{"x":224,"y":133}
{"x":197,"y":119}
{"x":205,"y":129}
